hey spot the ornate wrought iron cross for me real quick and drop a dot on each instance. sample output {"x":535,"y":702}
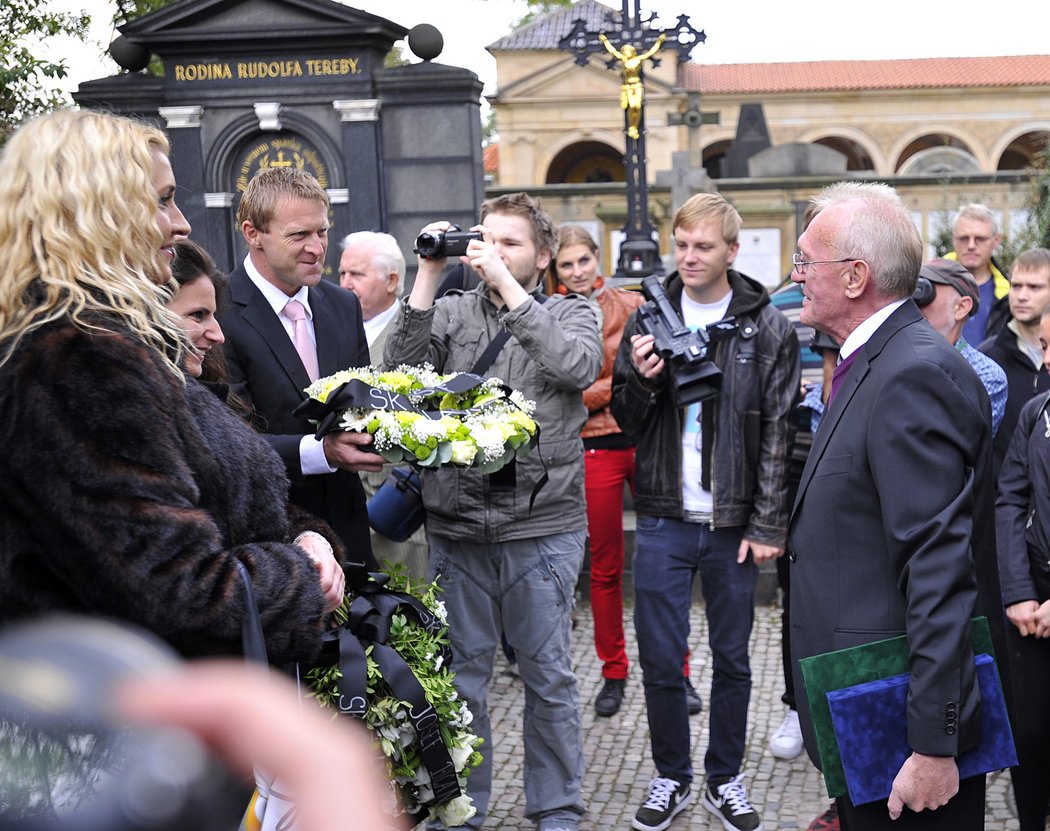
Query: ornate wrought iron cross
{"x":631,"y":41}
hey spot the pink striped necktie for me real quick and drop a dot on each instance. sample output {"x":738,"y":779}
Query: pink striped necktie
{"x":296,"y":312}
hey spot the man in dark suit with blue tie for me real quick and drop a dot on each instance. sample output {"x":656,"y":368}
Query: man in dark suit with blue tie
{"x":285,"y":326}
{"x":893,"y":527}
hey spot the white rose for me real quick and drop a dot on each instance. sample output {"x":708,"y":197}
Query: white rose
{"x":456,"y":812}
{"x":459,"y":756}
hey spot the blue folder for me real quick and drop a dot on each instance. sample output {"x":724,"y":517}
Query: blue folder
{"x":872,"y":732}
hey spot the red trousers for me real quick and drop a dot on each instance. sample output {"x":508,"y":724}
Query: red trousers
{"x":607,"y":471}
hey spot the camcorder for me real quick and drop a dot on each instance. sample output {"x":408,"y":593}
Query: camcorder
{"x":67,"y":760}
{"x":437,"y":245}
{"x":694,"y":377}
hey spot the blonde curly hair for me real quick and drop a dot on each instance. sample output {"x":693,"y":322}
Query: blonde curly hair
{"x":79,"y":232}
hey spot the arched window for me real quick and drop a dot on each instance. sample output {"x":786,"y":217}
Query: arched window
{"x":958,"y":158}
{"x":1023,"y":151}
{"x":857,"y":158}
{"x":586,"y":162}
{"x":714,"y":156}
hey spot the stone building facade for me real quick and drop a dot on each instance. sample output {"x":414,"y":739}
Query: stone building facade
{"x":944,"y":131}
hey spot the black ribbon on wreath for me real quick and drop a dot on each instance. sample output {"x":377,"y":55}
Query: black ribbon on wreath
{"x":368,"y":624}
{"x":357,"y":394}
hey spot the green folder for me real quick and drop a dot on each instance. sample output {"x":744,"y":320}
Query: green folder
{"x":855,"y":665}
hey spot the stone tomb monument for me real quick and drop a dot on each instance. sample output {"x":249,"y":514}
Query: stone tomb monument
{"x":254,"y":83}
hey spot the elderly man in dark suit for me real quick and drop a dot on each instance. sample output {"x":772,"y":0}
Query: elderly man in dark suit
{"x":285,"y":326}
{"x":893,"y":528}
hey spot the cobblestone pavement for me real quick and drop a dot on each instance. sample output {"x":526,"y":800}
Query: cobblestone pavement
{"x":787,"y":794}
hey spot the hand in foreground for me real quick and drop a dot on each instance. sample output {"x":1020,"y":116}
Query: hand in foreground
{"x":344,"y":450}
{"x":1023,"y":616}
{"x":333,"y":581}
{"x":923,"y":783}
{"x":251,"y":717}
{"x":645,"y":360}
{"x":761,"y":551}
{"x":1042,"y":620}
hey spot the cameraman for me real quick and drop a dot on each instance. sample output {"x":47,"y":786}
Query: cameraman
{"x":711,"y":500}
{"x":507,"y":547}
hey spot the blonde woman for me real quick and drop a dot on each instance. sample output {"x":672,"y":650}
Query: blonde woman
{"x":128,"y":490}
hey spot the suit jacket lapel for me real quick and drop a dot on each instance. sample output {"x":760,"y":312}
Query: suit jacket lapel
{"x":259,"y":314}
{"x":870,"y":351}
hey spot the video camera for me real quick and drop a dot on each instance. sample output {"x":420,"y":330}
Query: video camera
{"x":437,"y":245}
{"x":70,"y":765}
{"x":693,"y":375}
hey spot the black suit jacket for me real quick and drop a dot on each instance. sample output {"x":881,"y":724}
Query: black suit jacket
{"x":266,"y":370}
{"x":893,"y":528}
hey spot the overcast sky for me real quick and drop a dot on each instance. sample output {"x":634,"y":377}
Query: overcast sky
{"x":745,"y":31}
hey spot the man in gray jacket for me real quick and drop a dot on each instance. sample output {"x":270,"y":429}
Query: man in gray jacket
{"x":507,"y":547}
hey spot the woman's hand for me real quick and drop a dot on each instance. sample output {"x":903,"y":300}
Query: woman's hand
{"x":333,"y":581}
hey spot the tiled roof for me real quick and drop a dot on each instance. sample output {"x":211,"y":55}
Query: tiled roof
{"x":490,"y":158}
{"x":821,"y":76}
{"x":545,"y":32}
{"x":806,"y":76}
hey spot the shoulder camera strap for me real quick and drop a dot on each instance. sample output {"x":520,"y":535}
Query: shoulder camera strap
{"x":496,"y":344}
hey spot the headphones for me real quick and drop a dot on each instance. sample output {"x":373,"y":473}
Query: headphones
{"x":926,"y":290}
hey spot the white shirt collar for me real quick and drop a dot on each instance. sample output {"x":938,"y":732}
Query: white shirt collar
{"x":377,"y":323}
{"x":862,"y":334}
{"x":274,"y":296}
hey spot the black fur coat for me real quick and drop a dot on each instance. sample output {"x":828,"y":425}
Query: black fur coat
{"x":125,"y":493}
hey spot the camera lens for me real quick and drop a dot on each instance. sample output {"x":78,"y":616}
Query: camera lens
{"x":429,"y":244}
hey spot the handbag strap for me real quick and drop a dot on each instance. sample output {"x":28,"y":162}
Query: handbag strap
{"x":496,"y":344}
{"x":253,"y":642}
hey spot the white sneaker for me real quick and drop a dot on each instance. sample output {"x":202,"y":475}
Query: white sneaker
{"x":786,"y":742}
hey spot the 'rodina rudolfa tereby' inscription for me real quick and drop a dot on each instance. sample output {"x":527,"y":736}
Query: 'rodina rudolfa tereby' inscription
{"x":251,"y":70}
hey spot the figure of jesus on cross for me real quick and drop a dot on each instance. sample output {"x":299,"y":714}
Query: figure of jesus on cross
{"x":632,"y":92}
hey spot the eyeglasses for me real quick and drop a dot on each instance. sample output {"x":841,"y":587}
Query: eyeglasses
{"x":800,"y":264}
{"x":976,"y":240}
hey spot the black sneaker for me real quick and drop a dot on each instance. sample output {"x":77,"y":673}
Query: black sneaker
{"x":729,"y":803}
{"x":666,"y":799}
{"x":693,"y":702}
{"x":610,"y":697}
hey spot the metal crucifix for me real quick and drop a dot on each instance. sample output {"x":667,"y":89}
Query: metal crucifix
{"x":631,"y":41}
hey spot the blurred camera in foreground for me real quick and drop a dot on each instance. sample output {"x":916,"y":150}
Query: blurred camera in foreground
{"x":68,"y":761}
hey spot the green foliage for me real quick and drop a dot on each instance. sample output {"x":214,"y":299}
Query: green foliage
{"x":128,"y":10}
{"x":489,"y":133}
{"x":395,"y":57}
{"x":941,"y":232}
{"x":26,"y":80}
{"x":539,"y":8}
{"x":1039,"y":216}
